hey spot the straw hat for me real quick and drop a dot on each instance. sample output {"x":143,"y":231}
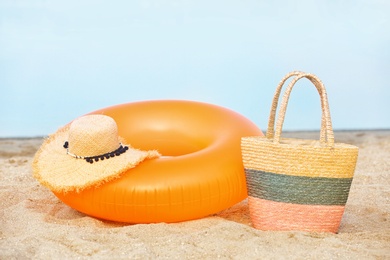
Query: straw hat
{"x":86,"y":153}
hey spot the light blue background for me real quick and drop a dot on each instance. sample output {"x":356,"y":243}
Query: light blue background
{"x":62,"y":59}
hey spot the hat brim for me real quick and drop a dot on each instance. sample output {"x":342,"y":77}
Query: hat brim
{"x":60,"y":172}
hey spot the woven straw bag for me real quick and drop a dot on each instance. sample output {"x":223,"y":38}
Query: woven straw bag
{"x":297,"y":184}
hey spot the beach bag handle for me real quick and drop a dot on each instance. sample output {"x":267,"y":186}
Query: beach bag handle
{"x":326,"y":134}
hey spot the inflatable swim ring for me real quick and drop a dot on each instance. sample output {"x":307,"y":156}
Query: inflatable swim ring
{"x":200,"y":172}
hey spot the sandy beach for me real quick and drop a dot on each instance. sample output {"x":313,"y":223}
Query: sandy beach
{"x":34,"y":224}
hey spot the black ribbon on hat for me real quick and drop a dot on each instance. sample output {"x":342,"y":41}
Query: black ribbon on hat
{"x":122,"y":149}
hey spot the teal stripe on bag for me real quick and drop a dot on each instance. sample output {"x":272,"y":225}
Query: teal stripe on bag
{"x":297,"y":189}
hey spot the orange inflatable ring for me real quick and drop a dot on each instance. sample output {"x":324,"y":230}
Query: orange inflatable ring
{"x":200,"y":172}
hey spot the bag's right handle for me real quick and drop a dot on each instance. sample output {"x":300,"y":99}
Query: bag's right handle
{"x":326,"y":135}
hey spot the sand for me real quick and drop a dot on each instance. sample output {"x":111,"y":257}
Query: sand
{"x":35,"y":224}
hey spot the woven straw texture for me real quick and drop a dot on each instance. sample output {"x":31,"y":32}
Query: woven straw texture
{"x":87,"y":136}
{"x":296,"y":184}
{"x":271,"y":215}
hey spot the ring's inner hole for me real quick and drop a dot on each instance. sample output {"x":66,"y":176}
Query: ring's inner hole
{"x":168,"y":144}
